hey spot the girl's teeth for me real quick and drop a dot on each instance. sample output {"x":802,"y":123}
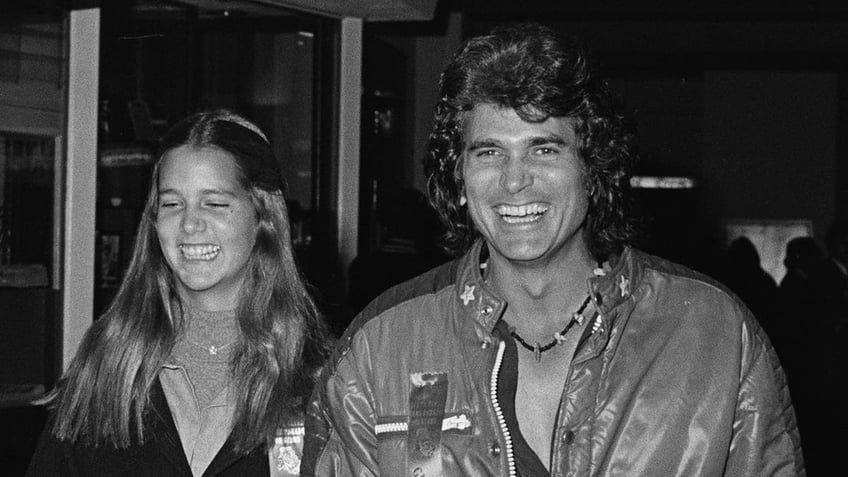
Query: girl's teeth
{"x":199,"y":252}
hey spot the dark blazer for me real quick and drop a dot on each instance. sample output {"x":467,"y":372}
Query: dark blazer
{"x":161,"y":455}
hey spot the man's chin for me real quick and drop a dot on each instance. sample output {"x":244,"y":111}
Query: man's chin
{"x":520,"y":254}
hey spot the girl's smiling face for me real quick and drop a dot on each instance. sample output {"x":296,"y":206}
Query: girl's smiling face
{"x":206,"y":224}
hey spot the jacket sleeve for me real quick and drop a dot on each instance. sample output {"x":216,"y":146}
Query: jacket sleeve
{"x":340,"y":435}
{"x":765,"y":438}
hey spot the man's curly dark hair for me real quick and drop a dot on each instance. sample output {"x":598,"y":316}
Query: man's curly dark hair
{"x":530,"y":69}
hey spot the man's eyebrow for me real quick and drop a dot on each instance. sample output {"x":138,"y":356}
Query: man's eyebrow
{"x":481,"y":143}
{"x":553,"y":139}
{"x":548,"y":139}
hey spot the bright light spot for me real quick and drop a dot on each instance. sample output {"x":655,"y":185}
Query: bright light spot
{"x":653,"y":182}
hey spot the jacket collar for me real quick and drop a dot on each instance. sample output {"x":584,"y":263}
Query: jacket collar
{"x":621,"y":277}
{"x":474,"y":295}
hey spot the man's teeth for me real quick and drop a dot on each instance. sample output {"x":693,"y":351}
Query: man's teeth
{"x":517,"y":214}
{"x":199,"y":252}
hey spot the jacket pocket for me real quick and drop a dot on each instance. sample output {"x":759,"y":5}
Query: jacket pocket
{"x":392,"y":438}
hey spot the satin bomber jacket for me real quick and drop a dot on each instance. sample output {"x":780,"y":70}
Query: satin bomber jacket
{"x":674,"y":378}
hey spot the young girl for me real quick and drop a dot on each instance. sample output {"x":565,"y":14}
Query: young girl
{"x":200,"y":364}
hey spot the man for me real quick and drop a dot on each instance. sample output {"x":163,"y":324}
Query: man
{"x":822,"y":414}
{"x":550,"y":347}
{"x":835,"y":270}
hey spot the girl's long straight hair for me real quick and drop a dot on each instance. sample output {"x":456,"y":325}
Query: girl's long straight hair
{"x":103,"y":397}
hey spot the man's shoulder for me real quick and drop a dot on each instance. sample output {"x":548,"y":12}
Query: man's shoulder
{"x":387,"y":309}
{"x":426,"y":284}
{"x":697,"y":300}
{"x":677,"y":275}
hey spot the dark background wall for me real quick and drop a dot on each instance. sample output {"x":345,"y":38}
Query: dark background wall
{"x":747,"y":98}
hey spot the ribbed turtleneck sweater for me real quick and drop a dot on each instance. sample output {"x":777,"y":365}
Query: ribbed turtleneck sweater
{"x":204,"y":350}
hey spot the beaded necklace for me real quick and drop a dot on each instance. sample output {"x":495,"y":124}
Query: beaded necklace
{"x":577,"y":317}
{"x":537,"y":349}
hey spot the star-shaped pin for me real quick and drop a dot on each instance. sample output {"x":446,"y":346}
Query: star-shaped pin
{"x":468,"y":295}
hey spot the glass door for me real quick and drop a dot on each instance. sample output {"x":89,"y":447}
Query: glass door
{"x":33,"y":41}
{"x":162,"y":60}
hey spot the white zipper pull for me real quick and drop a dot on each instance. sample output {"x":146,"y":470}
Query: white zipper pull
{"x":389,"y":427}
{"x":459,"y":422}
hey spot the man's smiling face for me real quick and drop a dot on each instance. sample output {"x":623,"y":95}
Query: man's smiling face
{"x":524,"y":184}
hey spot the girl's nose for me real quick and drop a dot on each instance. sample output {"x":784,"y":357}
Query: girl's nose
{"x":193,"y":222}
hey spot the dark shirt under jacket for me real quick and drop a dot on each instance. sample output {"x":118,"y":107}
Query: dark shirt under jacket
{"x":160,"y":456}
{"x":527,"y":463}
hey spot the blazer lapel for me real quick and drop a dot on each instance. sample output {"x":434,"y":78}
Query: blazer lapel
{"x":167,"y":440}
{"x":161,"y":424}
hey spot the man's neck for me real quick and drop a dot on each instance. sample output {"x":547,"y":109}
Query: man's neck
{"x":541,"y":295}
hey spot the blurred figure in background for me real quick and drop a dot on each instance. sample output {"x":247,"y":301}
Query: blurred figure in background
{"x":835,"y":272}
{"x":804,"y":259}
{"x":743,"y":274}
{"x":817,"y":335}
{"x":801,"y":295}
{"x":807,"y":340}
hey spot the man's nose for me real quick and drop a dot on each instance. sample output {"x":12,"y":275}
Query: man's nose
{"x":516,"y":175}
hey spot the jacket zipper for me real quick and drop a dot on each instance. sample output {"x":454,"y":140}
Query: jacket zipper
{"x":458,"y":422}
{"x":493,"y":395}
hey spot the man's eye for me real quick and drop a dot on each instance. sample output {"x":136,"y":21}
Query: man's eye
{"x":487,"y":154}
{"x":218,"y":204}
{"x":542,"y":151}
{"x":168,"y":204}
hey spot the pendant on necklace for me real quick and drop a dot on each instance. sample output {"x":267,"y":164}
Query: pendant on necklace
{"x":213,"y":350}
{"x":537,"y":352}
